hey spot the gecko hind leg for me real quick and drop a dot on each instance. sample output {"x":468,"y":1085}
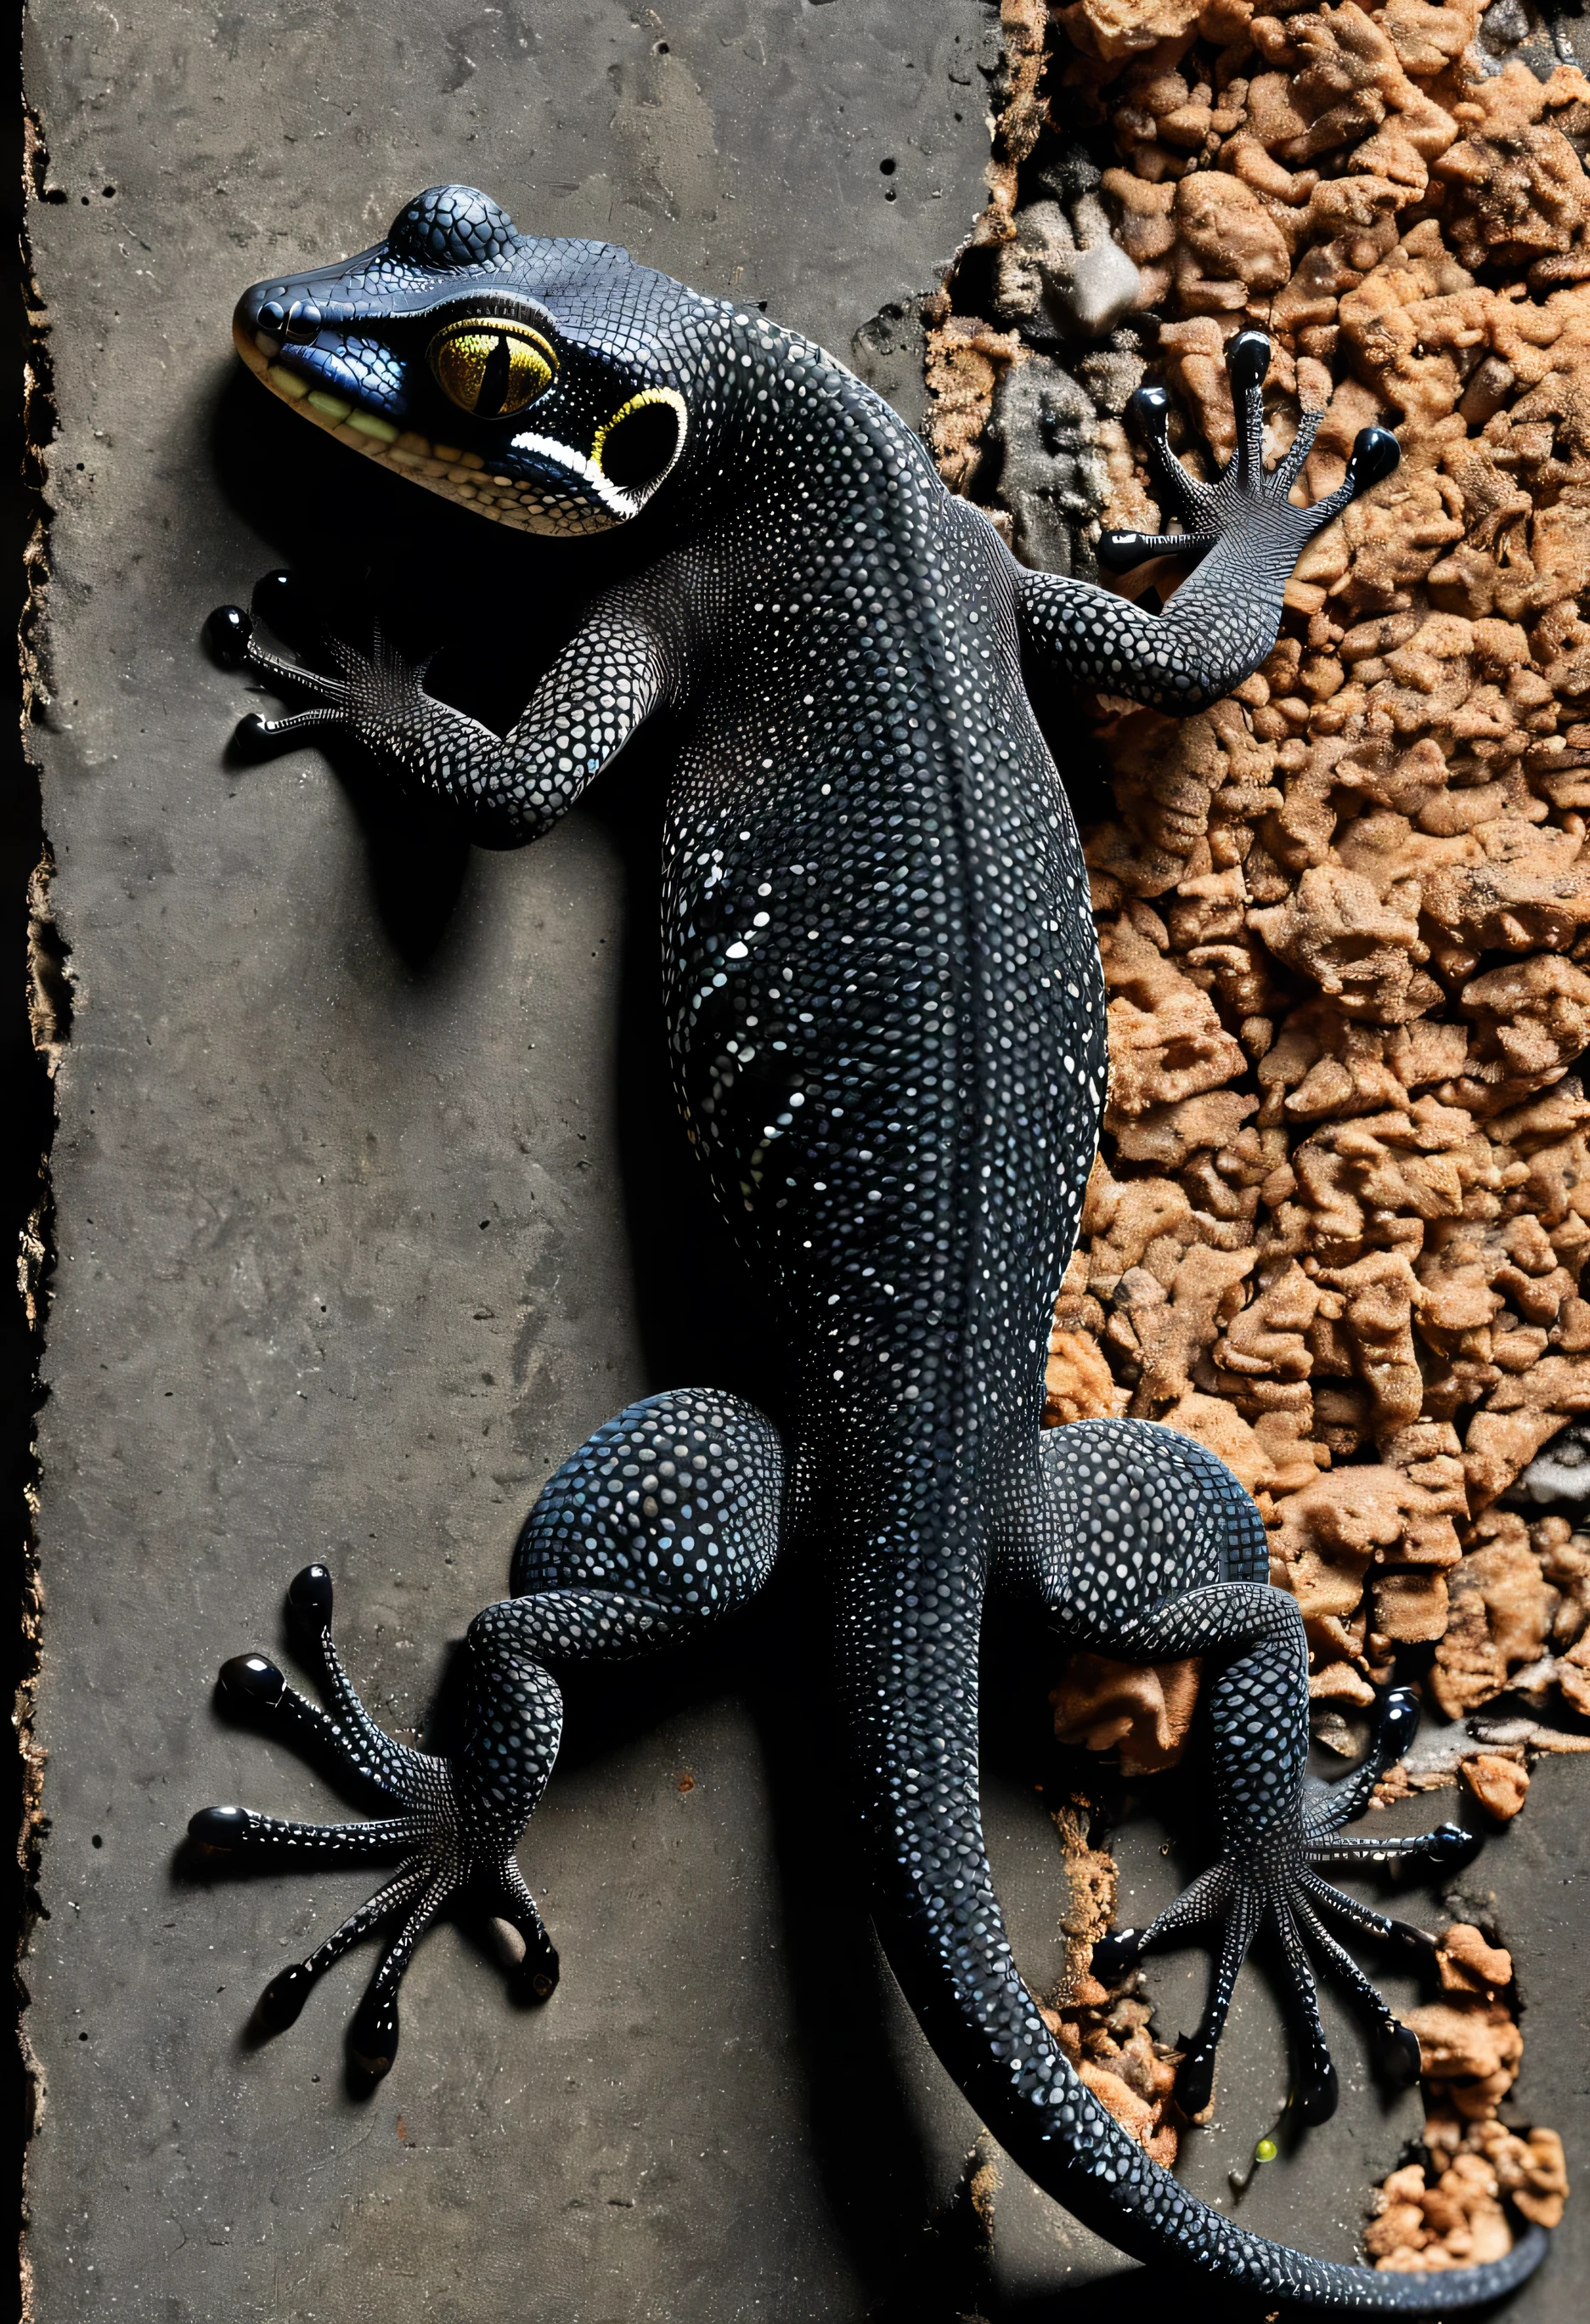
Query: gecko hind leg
{"x":665,"y":1519}
{"x":1326,"y":1807}
{"x":449,"y":1849}
{"x":1145,"y":1546}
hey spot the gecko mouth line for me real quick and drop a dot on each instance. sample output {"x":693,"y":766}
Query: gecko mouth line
{"x":460,"y":476}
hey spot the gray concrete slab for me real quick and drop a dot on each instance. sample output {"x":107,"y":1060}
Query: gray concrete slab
{"x":347,"y":1258}
{"x":371,"y":1206}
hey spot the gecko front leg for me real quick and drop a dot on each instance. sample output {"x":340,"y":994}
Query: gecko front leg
{"x":607,"y":680}
{"x":1247,"y":533}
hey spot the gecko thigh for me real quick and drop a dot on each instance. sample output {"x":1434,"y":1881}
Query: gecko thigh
{"x":677,"y":1501}
{"x":1125,"y":1514}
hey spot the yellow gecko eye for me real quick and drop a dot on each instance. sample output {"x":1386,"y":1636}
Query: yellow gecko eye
{"x":489,"y":366}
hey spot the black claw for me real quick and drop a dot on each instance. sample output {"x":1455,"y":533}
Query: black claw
{"x":219,"y":1830}
{"x":1114,"y":1955}
{"x":372,"y":2037}
{"x":279,"y":2006}
{"x":254,"y":735}
{"x":1119,"y":552}
{"x":1149,"y":410}
{"x":1375,"y":457}
{"x":1399,"y":1722}
{"x":539,"y":1977}
{"x":1247,"y":359}
{"x":278,"y":599}
{"x":226,"y":634}
{"x":1318,"y":2091}
{"x":1409,"y":1940}
{"x":309,"y":1597}
{"x":251,"y":1679}
{"x":1195,"y":2081}
{"x":1452,"y":1847}
{"x":1397,"y":2055}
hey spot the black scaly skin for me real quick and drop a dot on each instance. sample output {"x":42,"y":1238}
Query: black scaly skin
{"x":887,"y":1025}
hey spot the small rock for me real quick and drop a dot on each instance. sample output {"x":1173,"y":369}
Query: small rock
{"x":1467,"y":1964}
{"x":1500,"y":1785}
{"x":1559,"y":1473}
{"x":1064,"y":277}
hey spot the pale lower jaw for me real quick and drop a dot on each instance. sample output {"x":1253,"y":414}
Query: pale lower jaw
{"x":462,"y":477}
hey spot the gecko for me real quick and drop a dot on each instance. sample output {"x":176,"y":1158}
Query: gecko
{"x":885,"y":1018}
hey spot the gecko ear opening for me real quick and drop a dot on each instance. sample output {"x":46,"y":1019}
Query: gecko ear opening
{"x":640,"y":443}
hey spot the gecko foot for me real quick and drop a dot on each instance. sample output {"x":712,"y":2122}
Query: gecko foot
{"x":371,"y":690}
{"x":1277,"y":1884}
{"x":454,"y":1824}
{"x":1244,"y":500}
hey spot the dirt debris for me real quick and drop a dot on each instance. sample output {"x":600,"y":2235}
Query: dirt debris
{"x":1105,"y":2034}
{"x":1498,"y":1780}
{"x":1344,"y":915}
{"x":1448,"y":2212}
{"x":1143,"y":1711}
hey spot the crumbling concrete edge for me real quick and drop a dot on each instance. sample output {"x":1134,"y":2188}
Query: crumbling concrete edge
{"x":49,"y":1002}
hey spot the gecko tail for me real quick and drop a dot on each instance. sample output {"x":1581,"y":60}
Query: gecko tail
{"x":913,"y":1699}
{"x":1055,"y":2129}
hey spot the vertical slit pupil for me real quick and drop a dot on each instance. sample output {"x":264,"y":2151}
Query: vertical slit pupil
{"x":494,"y":380}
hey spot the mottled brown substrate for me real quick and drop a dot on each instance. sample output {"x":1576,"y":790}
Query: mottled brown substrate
{"x":1340,"y":1220}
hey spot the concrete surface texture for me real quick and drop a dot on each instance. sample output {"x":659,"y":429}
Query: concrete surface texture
{"x":372,"y":1203}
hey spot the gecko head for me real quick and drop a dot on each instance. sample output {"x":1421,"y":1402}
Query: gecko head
{"x":529,"y":379}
